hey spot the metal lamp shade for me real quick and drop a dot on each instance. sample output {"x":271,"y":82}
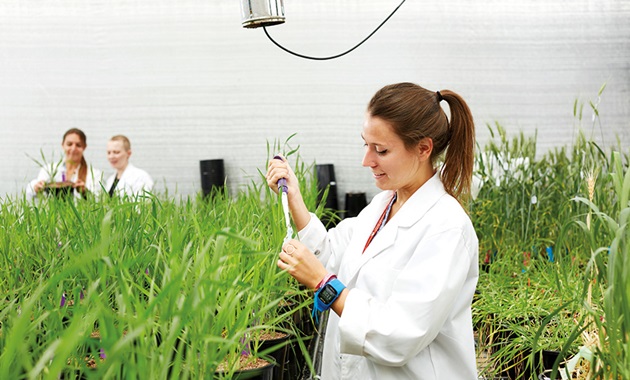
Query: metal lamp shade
{"x":258,"y":13}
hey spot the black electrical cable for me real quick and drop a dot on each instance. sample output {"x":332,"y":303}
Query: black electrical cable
{"x":338,"y":55}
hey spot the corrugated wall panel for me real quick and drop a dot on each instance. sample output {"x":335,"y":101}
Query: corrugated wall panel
{"x":186,"y":82}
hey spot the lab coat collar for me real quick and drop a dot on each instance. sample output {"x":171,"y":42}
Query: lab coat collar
{"x":420,"y":202}
{"x":412,"y":211}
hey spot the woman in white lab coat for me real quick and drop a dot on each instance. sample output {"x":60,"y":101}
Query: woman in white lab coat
{"x":128,"y":180}
{"x":400,"y":277}
{"x":73,"y":173}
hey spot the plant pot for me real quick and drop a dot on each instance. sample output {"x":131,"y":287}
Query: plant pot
{"x":212,"y":176}
{"x":549,"y":358}
{"x":546,"y":375}
{"x":300,"y":322}
{"x":299,"y":319}
{"x":326,"y":179}
{"x":278,"y":345}
{"x":263,"y":370}
{"x":355,"y":202}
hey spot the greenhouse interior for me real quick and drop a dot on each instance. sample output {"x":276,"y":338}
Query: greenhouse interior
{"x":315,"y":190}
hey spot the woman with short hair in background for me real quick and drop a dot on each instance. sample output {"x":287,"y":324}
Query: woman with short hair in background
{"x":128,"y":179}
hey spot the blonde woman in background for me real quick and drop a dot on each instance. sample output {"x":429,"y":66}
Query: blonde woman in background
{"x":128,"y":179}
{"x":75,"y":173}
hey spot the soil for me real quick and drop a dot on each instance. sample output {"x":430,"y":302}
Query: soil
{"x":245,"y":362}
{"x":271,"y":335}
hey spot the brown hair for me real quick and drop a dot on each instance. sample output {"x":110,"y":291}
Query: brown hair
{"x":124,"y":140}
{"x":84,"y":167}
{"x":415,"y":113}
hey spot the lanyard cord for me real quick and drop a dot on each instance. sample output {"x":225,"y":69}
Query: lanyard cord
{"x":380,"y":224}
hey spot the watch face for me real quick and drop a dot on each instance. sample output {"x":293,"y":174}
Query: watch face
{"x":327,"y":294}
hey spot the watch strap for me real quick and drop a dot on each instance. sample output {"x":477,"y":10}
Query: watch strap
{"x":319,"y":305}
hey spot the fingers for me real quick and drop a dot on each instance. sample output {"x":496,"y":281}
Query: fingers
{"x":289,"y":249}
{"x":286,"y":267}
{"x":301,"y":264}
{"x":277,"y":169}
{"x":287,"y":254}
{"x":39,"y":186}
{"x":287,"y":262}
{"x":288,"y":257}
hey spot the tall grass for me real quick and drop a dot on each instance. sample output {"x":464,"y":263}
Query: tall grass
{"x":149,"y":287}
{"x":553,"y":235}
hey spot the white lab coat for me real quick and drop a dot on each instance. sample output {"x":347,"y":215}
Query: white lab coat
{"x":408,"y":311}
{"x":93,"y":181}
{"x":134,"y":181}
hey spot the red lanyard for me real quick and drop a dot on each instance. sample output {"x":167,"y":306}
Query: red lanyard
{"x":380,"y":222}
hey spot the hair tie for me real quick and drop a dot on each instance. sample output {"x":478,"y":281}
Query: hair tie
{"x":439,"y":96}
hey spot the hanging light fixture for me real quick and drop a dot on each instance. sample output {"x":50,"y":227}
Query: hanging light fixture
{"x":257,"y":13}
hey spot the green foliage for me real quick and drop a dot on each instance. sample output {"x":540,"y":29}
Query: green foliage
{"x":553,"y":233}
{"x":160,"y":286}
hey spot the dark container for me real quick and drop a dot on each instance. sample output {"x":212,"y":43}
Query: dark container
{"x":212,"y":176}
{"x":326,"y":179}
{"x":355,"y":202}
{"x":279,"y":350}
{"x":262,"y":373}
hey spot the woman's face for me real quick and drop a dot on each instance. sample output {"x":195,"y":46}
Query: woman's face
{"x":393,"y":166}
{"x":117,"y":156}
{"x":73,"y":148}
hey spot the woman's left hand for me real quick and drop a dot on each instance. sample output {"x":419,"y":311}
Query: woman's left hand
{"x":301,"y":263}
{"x":79,"y":185}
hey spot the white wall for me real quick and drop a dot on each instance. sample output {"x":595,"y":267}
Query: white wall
{"x":186,"y":82}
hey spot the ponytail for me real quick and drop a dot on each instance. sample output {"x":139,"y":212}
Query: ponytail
{"x":460,"y":155}
{"x":83,"y":170}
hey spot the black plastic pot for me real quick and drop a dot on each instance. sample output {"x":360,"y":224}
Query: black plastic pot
{"x":549,"y":358}
{"x":212,"y":176}
{"x":279,"y":351}
{"x":301,"y":322}
{"x":261,"y":373}
{"x":326,"y":179}
{"x":355,"y":202}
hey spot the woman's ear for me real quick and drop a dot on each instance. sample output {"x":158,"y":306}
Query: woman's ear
{"x":425,"y":148}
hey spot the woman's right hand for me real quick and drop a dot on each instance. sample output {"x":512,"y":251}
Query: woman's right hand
{"x":279,"y":168}
{"x":39,"y":186}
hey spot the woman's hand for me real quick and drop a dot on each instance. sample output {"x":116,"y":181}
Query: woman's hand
{"x":39,"y":186}
{"x":79,"y":185}
{"x":302,"y":264}
{"x":278,"y":169}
